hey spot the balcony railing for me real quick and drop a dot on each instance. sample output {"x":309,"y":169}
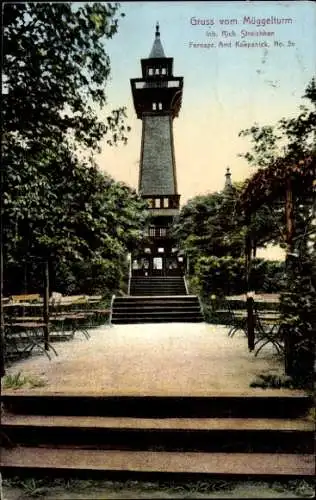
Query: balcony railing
{"x":158,"y":84}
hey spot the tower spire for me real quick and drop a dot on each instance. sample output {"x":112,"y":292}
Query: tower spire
{"x":157,"y":48}
{"x":228,"y":180}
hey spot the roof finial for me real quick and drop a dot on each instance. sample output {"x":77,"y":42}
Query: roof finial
{"x":157,"y":30}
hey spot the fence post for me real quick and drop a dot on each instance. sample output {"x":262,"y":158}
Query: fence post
{"x":250,"y":323}
{"x":46,"y":306}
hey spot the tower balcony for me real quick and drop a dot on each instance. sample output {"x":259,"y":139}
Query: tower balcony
{"x":155,"y":84}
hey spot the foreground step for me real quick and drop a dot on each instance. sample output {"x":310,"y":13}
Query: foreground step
{"x":199,"y":434}
{"x":256,"y":404}
{"x":60,"y":460}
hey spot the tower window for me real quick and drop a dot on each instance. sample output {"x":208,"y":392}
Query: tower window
{"x":164,"y":71}
{"x":157,"y":203}
{"x":154,"y":106}
{"x":150,"y":71}
{"x":157,"y":71}
{"x":166,"y":202}
{"x":160,"y":105}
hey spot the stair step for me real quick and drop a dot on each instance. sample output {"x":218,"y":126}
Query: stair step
{"x":154,"y":292}
{"x":205,"y":435}
{"x":155,"y":312}
{"x":229,"y":464}
{"x":158,"y":319}
{"x":214,"y":424}
{"x":255,"y":404}
{"x":152,"y":299}
{"x":157,"y":296}
{"x":160,"y":307}
{"x":163,"y":299}
{"x":128,"y":321}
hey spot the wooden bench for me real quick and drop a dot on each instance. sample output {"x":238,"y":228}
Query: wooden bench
{"x":30,"y":297}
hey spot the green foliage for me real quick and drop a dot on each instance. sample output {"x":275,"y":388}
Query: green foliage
{"x":298,"y":306}
{"x":222,"y":276}
{"x":293,"y":169}
{"x":17,"y":380}
{"x":267,"y":276}
{"x":213,"y":225}
{"x":209,"y":225}
{"x":55,"y":70}
{"x":291,"y":138}
{"x":57,"y":205}
{"x":274,"y":381}
{"x":83,"y":222}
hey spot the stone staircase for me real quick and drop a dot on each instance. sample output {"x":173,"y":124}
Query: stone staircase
{"x":157,"y":285}
{"x":265,"y":435}
{"x":156,"y":300}
{"x":156,"y":309}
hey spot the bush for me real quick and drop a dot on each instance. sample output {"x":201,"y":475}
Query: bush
{"x":223,"y":276}
{"x":220,"y":276}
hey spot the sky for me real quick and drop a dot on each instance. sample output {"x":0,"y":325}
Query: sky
{"x":226,"y":88}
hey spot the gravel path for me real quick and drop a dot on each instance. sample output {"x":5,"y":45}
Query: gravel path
{"x":151,"y":359}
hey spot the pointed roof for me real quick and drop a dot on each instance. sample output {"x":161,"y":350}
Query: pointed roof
{"x":157,"y":48}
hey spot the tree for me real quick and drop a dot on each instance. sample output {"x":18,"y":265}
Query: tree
{"x":291,"y":138}
{"x":70,"y":213}
{"x":209,"y":225}
{"x":57,"y":205}
{"x":55,"y":71}
{"x":290,"y":176}
{"x":212,"y":225}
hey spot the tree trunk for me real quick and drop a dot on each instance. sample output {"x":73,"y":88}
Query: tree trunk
{"x":289,"y":341}
{"x":46,"y":305}
{"x":2,"y":342}
{"x":250,"y":318}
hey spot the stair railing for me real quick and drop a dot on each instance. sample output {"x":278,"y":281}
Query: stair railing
{"x":129,"y":275}
{"x":111,"y":309}
{"x":186,"y":285}
{"x":201,"y":306}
